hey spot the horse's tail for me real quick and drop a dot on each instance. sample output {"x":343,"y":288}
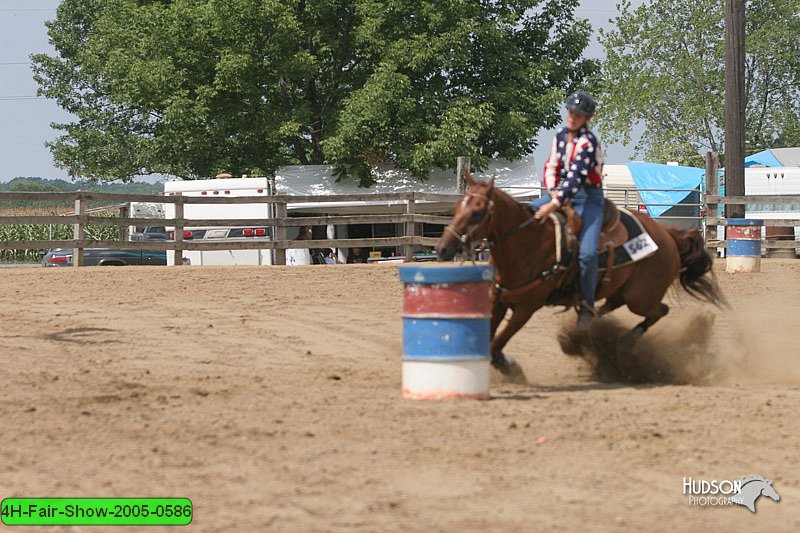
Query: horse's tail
{"x":695,"y":275}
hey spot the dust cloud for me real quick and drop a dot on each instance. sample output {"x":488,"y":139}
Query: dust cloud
{"x":698,"y":346}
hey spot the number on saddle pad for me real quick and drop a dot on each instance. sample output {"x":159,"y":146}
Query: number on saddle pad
{"x":640,"y":247}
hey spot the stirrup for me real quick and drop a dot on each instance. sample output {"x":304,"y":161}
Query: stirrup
{"x":580,"y":304}
{"x":586,"y":315}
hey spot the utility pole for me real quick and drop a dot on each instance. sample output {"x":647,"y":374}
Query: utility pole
{"x":462,"y":169}
{"x":734,"y":104}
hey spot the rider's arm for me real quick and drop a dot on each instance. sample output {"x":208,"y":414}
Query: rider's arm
{"x":551,"y":168}
{"x":584,"y":161}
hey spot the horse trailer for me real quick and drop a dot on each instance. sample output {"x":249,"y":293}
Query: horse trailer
{"x":223,"y":188}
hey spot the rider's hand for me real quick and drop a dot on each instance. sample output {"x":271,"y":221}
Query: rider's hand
{"x":544,"y":212}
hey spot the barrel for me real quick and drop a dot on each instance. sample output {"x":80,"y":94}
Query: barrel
{"x":744,"y":245}
{"x":446,"y":331}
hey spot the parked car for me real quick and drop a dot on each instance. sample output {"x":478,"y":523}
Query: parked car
{"x":57,"y":257}
{"x":153,"y":233}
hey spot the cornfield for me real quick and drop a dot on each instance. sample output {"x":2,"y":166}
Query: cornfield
{"x":43,"y":232}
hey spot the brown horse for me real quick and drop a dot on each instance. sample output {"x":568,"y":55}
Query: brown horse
{"x":528,"y":276}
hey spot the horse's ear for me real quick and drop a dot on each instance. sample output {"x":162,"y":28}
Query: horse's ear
{"x":491,"y":182}
{"x":470,"y":181}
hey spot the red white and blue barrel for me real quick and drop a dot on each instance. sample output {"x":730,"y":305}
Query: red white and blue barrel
{"x":446,"y":337}
{"x":744,"y":245}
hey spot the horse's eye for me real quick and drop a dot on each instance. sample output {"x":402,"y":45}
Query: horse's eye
{"x":476,"y":216}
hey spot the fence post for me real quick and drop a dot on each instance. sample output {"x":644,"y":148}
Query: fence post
{"x":410,"y":227}
{"x":124,"y":212}
{"x":281,"y":212}
{"x":79,"y":230}
{"x":177,"y":259}
{"x":712,"y":189}
{"x":462,"y":169}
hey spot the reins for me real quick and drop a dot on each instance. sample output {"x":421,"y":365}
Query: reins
{"x":467,"y":240}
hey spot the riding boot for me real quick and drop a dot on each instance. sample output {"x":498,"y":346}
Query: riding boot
{"x":586,"y":314}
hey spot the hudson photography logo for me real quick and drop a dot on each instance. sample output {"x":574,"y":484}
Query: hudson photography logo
{"x":744,"y":491}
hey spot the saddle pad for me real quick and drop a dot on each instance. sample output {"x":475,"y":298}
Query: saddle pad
{"x":640,"y":244}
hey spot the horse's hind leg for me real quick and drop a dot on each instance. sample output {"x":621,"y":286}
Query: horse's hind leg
{"x":612,"y":302}
{"x":630,"y":338}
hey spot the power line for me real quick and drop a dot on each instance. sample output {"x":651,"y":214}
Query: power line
{"x":14,"y":98}
{"x":24,"y":10}
{"x":53,"y":10}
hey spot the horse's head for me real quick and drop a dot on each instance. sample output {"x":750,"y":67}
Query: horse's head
{"x":769,"y":491}
{"x":472,"y":220}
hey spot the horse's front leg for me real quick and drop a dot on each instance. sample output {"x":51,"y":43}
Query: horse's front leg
{"x":520,"y":314}
{"x":499,"y":309}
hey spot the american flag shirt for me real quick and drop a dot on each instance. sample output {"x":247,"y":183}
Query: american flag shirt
{"x":573,"y":165}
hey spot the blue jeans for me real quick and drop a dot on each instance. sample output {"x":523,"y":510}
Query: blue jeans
{"x":588,"y":203}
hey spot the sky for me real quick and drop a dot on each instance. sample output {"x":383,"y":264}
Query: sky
{"x":25,"y":121}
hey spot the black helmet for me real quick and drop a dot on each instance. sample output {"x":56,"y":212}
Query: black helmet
{"x":581,"y":102}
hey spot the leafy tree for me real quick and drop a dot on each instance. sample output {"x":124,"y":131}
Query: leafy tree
{"x":32,"y":185}
{"x":664,"y":67}
{"x":193,"y":87}
{"x":37,"y":184}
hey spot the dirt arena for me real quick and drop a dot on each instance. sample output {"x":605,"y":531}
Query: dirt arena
{"x":271,"y":398}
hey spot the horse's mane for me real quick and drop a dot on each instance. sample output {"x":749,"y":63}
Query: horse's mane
{"x":508,"y":198}
{"x":749,"y":479}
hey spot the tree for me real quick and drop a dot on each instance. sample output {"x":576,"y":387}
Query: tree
{"x":193,"y":87}
{"x":664,"y":67}
{"x":31,"y":185}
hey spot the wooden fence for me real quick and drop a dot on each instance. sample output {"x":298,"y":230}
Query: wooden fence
{"x":279,"y":223}
{"x":713,"y":200}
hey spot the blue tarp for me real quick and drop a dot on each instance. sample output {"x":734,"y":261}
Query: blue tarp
{"x":655,"y":176}
{"x":765,"y":158}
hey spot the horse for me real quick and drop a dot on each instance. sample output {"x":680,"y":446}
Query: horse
{"x":528,"y":275}
{"x":753,"y":487}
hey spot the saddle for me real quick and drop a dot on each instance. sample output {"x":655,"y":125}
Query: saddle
{"x":619,"y":227}
{"x":613,"y":235}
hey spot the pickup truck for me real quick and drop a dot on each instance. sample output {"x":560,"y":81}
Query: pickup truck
{"x":59,"y":257}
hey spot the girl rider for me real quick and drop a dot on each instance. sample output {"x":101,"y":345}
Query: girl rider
{"x":574,"y":172}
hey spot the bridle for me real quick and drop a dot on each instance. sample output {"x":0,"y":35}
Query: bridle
{"x":467,"y":238}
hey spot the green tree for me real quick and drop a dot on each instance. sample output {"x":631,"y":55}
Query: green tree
{"x":193,"y":87}
{"x":32,"y":185}
{"x":664,"y":68}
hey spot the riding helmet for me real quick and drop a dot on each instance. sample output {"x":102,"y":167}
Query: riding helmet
{"x":581,"y":102}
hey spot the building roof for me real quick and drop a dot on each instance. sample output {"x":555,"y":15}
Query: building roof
{"x":775,"y":157}
{"x":518,"y":178}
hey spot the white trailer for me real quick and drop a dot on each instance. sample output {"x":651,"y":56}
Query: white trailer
{"x":223,"y":188}
{"x":773,"y":181}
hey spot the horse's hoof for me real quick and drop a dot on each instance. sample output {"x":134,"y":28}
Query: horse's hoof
{"x":570,"y":341}
{"x":503,"y":363}
{"x":629,"y":340}
{"x":511,"y":371}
